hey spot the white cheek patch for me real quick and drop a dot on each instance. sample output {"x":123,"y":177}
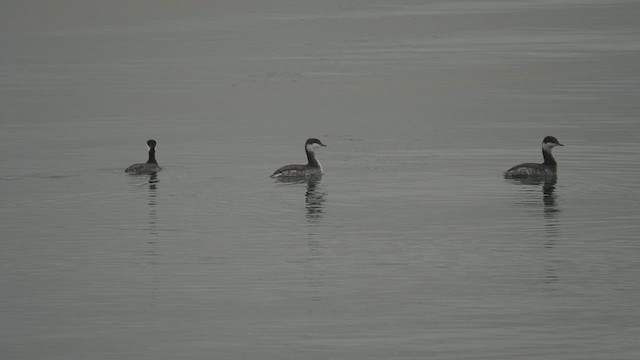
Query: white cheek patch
{"x":548,"y":146}
{"x":312,"y":147}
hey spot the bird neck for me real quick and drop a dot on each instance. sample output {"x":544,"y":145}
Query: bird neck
{"x":311,"y":159}
{"x":152,"y":157}
{"x":548,"y":158}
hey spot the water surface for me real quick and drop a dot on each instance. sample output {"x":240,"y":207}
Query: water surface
{"x":411,"y":246}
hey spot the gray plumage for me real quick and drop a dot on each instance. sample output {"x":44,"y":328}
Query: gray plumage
{"x":143,"y":168}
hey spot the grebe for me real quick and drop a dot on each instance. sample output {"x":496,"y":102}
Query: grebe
{"x":151,"y":166}
{"x":312,"y":168}
{"x":548,"y":168}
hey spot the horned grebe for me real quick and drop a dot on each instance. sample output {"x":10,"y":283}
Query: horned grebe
{"x":548,"y":168}
{"x":312,"y":168}
{"x":150,"y":167}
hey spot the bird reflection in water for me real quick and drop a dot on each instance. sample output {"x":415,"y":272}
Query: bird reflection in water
{"x":551,"y":229}
{"x":549,"y":197}
{"x":548,"y":192}
{"x":550,"y":213}
{"x":153,"y":201}
{"x":314,"y":201}
{"x":314,"y":266}
{"x":152,"y":252}
{"x":314,"y":196}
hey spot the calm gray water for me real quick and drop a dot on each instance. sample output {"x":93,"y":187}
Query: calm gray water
{"x":412,"y":246}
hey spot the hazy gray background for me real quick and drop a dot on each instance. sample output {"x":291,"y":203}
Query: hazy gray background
{"x":412,"y":246}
